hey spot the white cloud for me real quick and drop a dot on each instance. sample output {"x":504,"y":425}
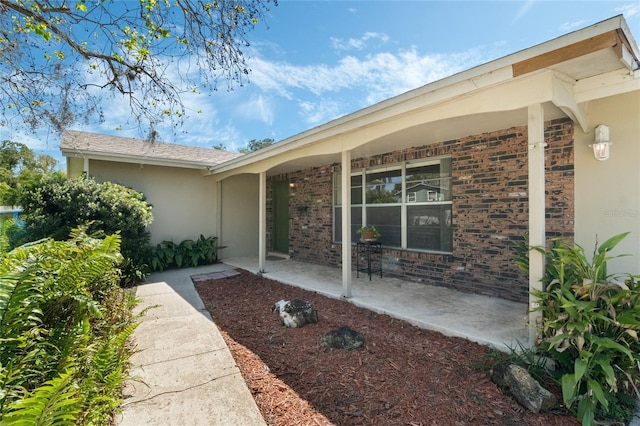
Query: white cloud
{"x":629,"y":10}
{"x":375,"y":76}
{"x":315,"y":113}
{"x":256,"y":108}
{"x":524,"y":9}
{"x":358,"y":43}
{"x":323,"y":92}
{"x":570,"y":26}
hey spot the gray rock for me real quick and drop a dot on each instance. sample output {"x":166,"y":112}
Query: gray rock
{"x":342,"y":338}
{"x":517,"y":382}
{"x":295,"y":313}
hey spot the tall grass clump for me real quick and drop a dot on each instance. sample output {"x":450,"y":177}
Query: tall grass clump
{"x":590,"y":328}
{"x":65,"y":325}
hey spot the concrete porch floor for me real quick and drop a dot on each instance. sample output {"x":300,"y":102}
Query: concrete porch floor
{"x":487,"y":320}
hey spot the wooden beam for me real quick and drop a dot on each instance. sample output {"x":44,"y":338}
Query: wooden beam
{"x":603,"y":41}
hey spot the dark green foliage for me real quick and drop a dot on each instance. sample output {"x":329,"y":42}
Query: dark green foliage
{"x":64,"y":327}
{"x":256,"y":144}
{"x":188,"y":253}
{"x":591,"y":328}
{"x":55,"y":403}
{"x":19,"y":166}
{"x":56,"y":205}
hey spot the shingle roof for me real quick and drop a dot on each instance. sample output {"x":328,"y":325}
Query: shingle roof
{"x":95,"y":145}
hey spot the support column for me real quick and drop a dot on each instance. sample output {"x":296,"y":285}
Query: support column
{"x":218,"y":214}
{"x":345,"y":200}
{"x":262,"y":226}
{"x":536,"y":210}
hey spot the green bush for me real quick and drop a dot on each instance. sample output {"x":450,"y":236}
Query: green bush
{"x":591,"y":327}
{"x":168,"y":254}
{"x":64,"y":328}
{"x":56,"y":205}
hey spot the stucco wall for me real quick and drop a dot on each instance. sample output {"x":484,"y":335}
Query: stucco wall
{"x":75,"y":166}
{"x":490,"y":210}
{"x":239,"y":216}
{"x":608,"y":192}
{"x":183,"y":199}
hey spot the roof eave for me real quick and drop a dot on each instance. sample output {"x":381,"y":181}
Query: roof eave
{"x":429,"y":92}
{"x":141,"y":160}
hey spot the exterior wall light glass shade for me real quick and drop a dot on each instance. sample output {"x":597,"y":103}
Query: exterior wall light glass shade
{"x":602,"y":144}
{"x":601,"y":150}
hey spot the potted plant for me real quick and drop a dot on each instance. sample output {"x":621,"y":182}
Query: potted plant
{"x":369,"y":233}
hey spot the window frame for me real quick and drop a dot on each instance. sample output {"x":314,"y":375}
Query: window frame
{"x":403,"y":203}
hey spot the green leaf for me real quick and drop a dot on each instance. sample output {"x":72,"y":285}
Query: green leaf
{"x":607,"y":369}
{"x":580,"y":367}
{"x":595,"y":387}
{"x":605,"y":342}
{"x":586,"y":411}
{"x":54,"y":403}
{"x":629,"y":317}
{"x":612,"y":242}
{"x":569,"y":385}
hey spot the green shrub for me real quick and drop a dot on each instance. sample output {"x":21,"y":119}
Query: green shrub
{"x":591,"y":326}
{"x":168,"y":254}
{"x":64,"y":328}
{"x":56,"y":205}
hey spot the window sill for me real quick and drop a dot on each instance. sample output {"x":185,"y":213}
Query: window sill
{"x":436,"y":252}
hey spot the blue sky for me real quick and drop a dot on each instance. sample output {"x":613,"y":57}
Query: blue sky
{"x":319,"y":60}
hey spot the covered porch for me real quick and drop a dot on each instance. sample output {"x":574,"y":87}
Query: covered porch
{"x":491,"y":321}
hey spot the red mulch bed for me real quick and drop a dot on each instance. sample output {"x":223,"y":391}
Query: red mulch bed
{"x":402,"y":375}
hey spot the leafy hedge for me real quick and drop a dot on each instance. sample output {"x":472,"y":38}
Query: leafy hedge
{"x":64,"y":328}
{"x":55,"y":206}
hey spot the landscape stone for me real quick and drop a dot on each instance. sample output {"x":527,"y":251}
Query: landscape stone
{"x":516,"y":381}
{"x":295,"y":313}
{"x":342,"y":338}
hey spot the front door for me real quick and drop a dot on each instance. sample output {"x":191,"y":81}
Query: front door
{"x":280,"y":204}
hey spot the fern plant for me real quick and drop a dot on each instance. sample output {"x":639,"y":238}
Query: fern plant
{"x":55,"y":403}
{"x":64,"y":327}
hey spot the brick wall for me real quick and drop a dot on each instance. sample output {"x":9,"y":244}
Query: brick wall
{"x":489,"y":210}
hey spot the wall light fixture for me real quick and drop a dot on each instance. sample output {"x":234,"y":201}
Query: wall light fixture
{"x":601,"y":143}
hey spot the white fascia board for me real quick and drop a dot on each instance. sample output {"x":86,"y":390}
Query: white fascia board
{"x":122,"y":158}
{"x":635,"y":51}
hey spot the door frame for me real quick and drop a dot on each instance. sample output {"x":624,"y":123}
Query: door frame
{"x":280,"y":216}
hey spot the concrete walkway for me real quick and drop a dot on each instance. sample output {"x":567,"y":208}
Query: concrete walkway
{"x":187,"y":373}
{"x":192,"y":379}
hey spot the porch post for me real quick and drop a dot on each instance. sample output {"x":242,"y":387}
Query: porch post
{"x":536,"y":210}
{"x":262,"y":226}
{"x":345,"y":200}
{"x":218,"y":213}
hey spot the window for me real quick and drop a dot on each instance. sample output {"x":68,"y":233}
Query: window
{"x":409,"y":203}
